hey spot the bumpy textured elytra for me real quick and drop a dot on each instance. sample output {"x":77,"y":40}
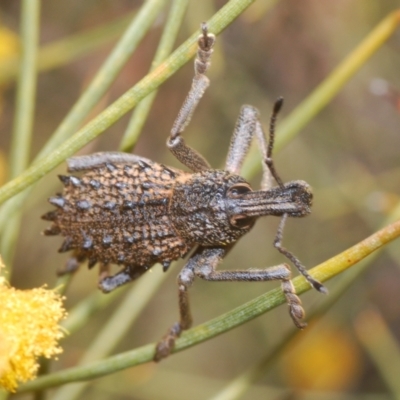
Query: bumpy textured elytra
{"x":127,"y":210}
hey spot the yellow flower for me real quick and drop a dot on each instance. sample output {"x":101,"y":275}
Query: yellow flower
{"x":28,"y":329}
{"x":9,"y":43}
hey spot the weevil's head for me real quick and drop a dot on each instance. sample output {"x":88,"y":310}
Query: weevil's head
{"x":214,"y":207}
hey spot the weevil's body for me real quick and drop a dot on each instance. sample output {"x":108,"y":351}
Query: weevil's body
{"x":118,"y":213}
{"x":141,"y":213}
{"x":130,"y":211}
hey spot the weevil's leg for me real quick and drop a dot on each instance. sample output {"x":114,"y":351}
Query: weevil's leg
{"x":70,"y":266}
{"x":278,"y":245}
{"x":268,"y":158}
{"x":185,"y":154}
{"x":84,"y":163}
{"x":109,"y":283}
{"x":201,"y":257}
{"x":247,"y":126}
{"x":280,"y":272}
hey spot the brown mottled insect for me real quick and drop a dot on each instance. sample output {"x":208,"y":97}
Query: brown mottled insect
{"x":131,"y":211}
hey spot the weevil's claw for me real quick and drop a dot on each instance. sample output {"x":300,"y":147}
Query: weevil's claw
{"x":206,"y":40}
{"x":166,"y":344}
{"x":319,"y":286}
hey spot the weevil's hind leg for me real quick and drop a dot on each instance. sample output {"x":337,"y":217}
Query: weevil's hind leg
{"x":185,"y":154}
{"x":108,"y":283}
{"x":207,"y":271}
{"x":203,"y":264}
{"x":200,"y":259}
{"x":278,"y":245}
{"x":72,"y":264}
{"x":167,"y":343}
{"x":247,"y":126}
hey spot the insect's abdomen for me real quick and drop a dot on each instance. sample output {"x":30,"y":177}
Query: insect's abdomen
{"x":118,"y":213}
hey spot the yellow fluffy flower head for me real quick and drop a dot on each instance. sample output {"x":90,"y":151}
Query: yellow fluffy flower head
{"x":28,"y":329}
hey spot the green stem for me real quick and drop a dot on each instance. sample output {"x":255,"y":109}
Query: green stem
{"x":225,"y":322}
{"x":97,"y":88}
{"x":61,"y":52}
{"x":142,"y":110}
{"x":116,"y":328}
{"x":381,"y":345}
{"x":328,"y":89}
{"x":23,"y":119}
{"x":125,"y":103}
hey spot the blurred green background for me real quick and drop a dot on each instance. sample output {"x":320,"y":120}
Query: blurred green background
{"x":349,"y":154}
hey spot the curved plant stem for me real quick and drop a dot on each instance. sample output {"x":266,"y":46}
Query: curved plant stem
{"x":225,"y":322}
{"x":125,"y":103}
{"x":142,"y":110}
{"x":123,"y":317}
{"x":23,"y":119}
{"x":140,"y":24}
{"x":240,"y":385}
{"x":63,"y":51}
{"x":381,"y":345}
{"x":116,"y":328}
{"x":328,"y":89}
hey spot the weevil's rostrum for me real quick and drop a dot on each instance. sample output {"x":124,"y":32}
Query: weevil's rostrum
{"x":122,"y":209}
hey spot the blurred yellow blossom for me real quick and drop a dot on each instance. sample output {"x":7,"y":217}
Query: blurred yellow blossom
{"x":324,"y":358}
{"x":28,"y":329}
{"x":9,"y":43}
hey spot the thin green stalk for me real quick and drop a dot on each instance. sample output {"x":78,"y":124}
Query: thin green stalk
{"x":381,"y":345}
{"x":106,"y":74}
{"x":26,"y":90}
{"x":125,"y":103}
{"x":328,"y":89}
{"x":225,"y":322}
{"x":23,"y":119}
{"x":236,"y":388}
{"x":115,"y":328}
{"x":79,"y":315}
{"x":240,"y":385}
{"x":63,"y":51}
{"x":100,"y":84}
{"x":167,"y":40}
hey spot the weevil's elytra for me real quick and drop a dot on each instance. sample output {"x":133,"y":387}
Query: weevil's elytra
{"x":122,"y":209}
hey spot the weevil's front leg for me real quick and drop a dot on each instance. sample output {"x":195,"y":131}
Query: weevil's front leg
{"x":278,"y":245}
{"x":185,"y":154}
{"x":247,"y":126}
{"x":280,"y":272}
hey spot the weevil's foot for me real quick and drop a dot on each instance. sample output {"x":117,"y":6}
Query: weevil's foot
{"x":297,"y":313}
{"x":296,"y":310}
{"x":166,"y":344}
{"x":206,"y":40}
{"x":319,"y":286}
{"x":108,"y":283}
{"x":70,"y":267}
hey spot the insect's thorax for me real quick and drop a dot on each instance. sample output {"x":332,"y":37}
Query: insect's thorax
{"x":199,"y":209}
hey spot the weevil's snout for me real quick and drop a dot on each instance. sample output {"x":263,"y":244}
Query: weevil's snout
{"x":300,"y":196}
{"x":294,"y":199}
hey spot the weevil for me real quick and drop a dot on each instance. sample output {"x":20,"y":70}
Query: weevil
{"x":133,"y":212}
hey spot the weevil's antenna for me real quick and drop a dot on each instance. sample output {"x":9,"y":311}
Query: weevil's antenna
{"x":278,"y":245}
{"x":268,"y":161}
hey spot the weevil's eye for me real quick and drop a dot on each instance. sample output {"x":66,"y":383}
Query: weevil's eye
{"x":238,"y":189}
{"x":238,"y":220}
